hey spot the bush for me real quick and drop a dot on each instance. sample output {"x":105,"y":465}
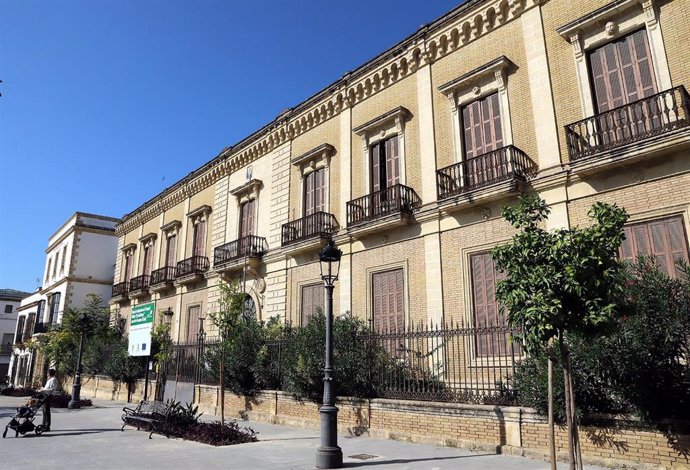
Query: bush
{"x":355,"y":359}
{"x":640,"y":365}
{"x":61,"y":400}
{"x":17,"y":392}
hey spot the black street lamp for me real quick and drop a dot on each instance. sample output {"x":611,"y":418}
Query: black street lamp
{"x":329,"y":455}
{"x":75,"y":401}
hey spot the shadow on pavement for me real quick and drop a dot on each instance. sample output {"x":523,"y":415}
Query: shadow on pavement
{"x":401,"y":461}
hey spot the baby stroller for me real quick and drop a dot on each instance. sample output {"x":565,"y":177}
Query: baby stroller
{"x":23,"y":421}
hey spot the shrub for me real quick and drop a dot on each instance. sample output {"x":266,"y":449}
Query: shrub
{"x":61,"y":400}
{"x":17,"y":392}
{"x":355,"y":359}
{"x":640,"y":365}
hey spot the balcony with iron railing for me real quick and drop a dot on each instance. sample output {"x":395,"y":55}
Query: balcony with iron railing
{"x":162,"y":278}
{"x":390,"y":206}
{"x":237,"y":253}
{"x":508,"y":165}
{"x":609,"y":134}
{"x":191,"y":269}
{"x":139,"y":286}
{"x":119,"y":292}
{"x":311,"y":228}
{"x":42,"y":327}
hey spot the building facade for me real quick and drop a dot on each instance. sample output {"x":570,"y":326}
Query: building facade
{"x":80,"y":260}
{"x":10,"y":300}
{"x":407,"y":161}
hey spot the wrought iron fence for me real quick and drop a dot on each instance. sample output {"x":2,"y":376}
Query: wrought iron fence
{"x":120,"y":288}
{"x":193,"y":265}
{"x":648,"y":117}
{"x":139,"y":282}
{"x":161,"y":275}
{"x":453,"y":363}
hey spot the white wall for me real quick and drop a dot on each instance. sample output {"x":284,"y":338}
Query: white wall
{"x":96,"y":258}
{"x":81,"y":289}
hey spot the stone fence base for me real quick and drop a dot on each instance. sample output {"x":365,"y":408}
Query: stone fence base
{"x":608,"y":441}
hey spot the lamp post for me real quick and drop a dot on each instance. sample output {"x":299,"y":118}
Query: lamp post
{"x":75,"y":401}
{"x":329,"y":455}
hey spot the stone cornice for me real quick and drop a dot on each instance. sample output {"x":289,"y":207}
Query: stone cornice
{"x":252,"y":186}
{"x":465,"y":24}
{"x":323,"y":150}
{"x":172,"y":225}
{"x":494,"y":68}
{"x":399,"y":113}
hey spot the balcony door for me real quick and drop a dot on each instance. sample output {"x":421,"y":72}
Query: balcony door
{"x":199,"y":240}
{"x":148,"y":260}
{"x":622,"y":73}
{"x":246,"y":226}
{"x":170,"y":250}
{"x":315,"y":192}
{"x":385,"y":164}
{"x":482,"y":133}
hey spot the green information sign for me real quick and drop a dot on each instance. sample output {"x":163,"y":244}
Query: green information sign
{"x":140,"y":326}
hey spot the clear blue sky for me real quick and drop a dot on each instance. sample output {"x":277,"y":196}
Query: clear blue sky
{"x":105,"y":103}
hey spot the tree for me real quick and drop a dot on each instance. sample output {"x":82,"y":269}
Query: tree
{"x":560,"y":284}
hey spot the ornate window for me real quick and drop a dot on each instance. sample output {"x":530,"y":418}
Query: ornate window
{"x":148,"y":243}
{"x":383,"y":146}
{"x":314,"y":170}
{"x":485,"y":309}
{"x":619,"y":54}
{"x":480,"y":111}
{"x":199,"y":221}
{"x":247,"y":197}
{"x":312,"y":301}
{"x":170,"y":231}
{"x":128,"y":261}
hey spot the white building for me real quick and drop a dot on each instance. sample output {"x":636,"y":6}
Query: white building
{"x":80,"y":260}
{"x":10,"y":300}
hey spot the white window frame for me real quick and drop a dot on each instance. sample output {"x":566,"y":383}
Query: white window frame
{"x":388,"y":125}
{"x":479,"y":83}
{"x":615,"y":20}
{"x":318,"y":158}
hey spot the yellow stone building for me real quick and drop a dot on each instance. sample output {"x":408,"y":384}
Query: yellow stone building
{"x":407,"y":160}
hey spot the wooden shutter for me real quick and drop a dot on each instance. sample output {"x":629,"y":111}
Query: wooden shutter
{"x":199,"y":244}
{"x":247,"y":219}
{"x":313,"y":300}
{"x":392,"y":158}
{"x":375,"y":158}
{"x":482,"y":126}
{"x":171,"y":249}
{"x":193,"y":323}
{"x":28,"y":326}
{"x":40,"y":311}
{"x":20,"y":329}
{"x":663,"y":239}
{"x":622,"y":71}
{"x":388,"y":301}
{"x":485,"y":309}
{"x":148,"y":259}
{"x":128,"y":267}
{"x":319,"y":190}
{"x":309,"y":194}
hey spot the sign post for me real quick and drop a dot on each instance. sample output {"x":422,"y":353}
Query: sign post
{"x":141,"y":324}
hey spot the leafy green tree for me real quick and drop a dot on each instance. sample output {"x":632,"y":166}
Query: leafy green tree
{"x":122,"y":367}
{"x":561,"y":283}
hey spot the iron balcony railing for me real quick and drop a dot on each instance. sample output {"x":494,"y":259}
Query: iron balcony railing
{"x":162,"y":275}
{"x":120,"y":289}
{"x":504,"y":164}
{"x":193,"y":265}
{"x":396,"y":199}
{"x":648,"y":117}
{"x":251,"y":245}
{"x":318,"y":224}
{"x":42,"y":327}
{"x":139,"y":282}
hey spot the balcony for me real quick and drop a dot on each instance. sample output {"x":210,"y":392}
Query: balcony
{"x":119,"y":293}
{"x":191,"y":270}
{"x":309,"y":232}
{"x":382,"y":209}
{"x":485,"y":176}
{"x":139,"y":286}
{"x":630,"y":131}
{"x":236,"y":254}
{"x":162,"y":279}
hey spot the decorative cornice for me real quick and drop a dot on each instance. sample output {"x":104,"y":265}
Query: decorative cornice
{"x":596,"y":17}
{"x":202,"y":210}
{"x":129,"y":247}
{"x":322,"y":151}
{"x":249,"y":187}
{"x":450,"y":32}
{"x":495,"y":68}
{"x":172,"y":225}
{"x":394,"y":115}
{"x":148,"y":237}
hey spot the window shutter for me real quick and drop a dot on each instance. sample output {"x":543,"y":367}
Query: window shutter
{"x":377,"y":313}
{"x":664,"y":239}
{"x":28,"y":326}
{"x":375,"y":158}
{"x":392,"y":161}
{"x":486,"y":311}
{"x":313,"y":300}
{"x":40,"y":311}
{"x":320,"y":191}
{"x":148,"y":259}
{"x":170,"y":254}
{"x":471,"y":119}
{"x":247,"y":219}
{"x":644,"y":69}
{"x":199,"y":238}
{"x":309,"y":194}
{"x":388,"y":300}
{"x":399,"y":305}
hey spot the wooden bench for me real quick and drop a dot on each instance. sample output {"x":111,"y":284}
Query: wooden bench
{"x":149,"y":415}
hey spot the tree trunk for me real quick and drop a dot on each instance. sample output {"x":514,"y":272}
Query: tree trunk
{"x":568,"y":415}
{"x":222,"y":385}
{"x":552,"y":430}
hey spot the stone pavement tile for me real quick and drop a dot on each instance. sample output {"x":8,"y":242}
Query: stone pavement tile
{"x":90,"y":438}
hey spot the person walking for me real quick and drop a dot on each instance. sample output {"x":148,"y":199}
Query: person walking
{"x":49,"y":389}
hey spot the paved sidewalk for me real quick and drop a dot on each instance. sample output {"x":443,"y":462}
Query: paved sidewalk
{"x":90,"y":438}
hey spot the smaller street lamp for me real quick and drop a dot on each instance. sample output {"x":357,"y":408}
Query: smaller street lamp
{"x":75,"y":401}
{"x":329,"y":455}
